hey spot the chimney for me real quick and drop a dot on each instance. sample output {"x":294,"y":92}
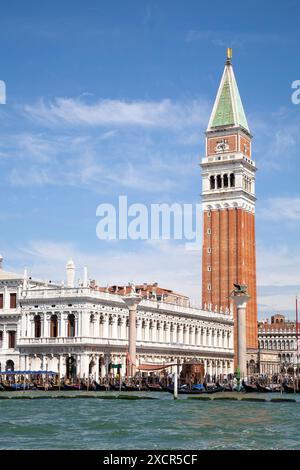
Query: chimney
{"x":70,"y":267}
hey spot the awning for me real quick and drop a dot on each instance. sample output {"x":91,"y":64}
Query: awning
{"x":151,"y":367}
{"x":27,"y":372}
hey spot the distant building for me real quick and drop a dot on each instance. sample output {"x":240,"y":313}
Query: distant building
{"x":150,"y":292}
{"x":277,"y":345}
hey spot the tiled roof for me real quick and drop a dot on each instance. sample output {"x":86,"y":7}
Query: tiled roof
{"x":228,"y":109}
{"x":5,"y":275}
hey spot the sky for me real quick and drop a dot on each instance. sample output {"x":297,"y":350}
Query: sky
{"x":112,"y":98}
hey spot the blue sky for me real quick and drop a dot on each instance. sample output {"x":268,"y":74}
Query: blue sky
{"x":112,"y":98}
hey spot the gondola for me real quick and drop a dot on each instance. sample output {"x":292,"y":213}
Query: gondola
{"x":184,"y":390}
{"x":99,"y":388}
{"x":15,"y":387}
{"x":76,"y":387}
{"x":214,"y":389}
{"x":156,"y":388}
{"x":49,"y":388}
{"x":134,"y":388}
{"x":249,"y":388}
{"x":290,"y":389}
{"x":264,"y":389}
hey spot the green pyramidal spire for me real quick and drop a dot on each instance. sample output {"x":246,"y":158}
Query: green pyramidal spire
{"x":228,"y":109}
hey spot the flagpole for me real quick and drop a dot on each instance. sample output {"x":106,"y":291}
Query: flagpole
{"x":297,"y":333}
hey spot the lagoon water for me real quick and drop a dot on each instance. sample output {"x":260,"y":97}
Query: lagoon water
{"x":89,"y":423}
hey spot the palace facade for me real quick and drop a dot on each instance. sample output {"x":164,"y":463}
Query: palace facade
{"x":83,"y":330}
{"x":277,"y":340}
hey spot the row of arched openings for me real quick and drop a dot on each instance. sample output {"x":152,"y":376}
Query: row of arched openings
{"x":222,"y":181}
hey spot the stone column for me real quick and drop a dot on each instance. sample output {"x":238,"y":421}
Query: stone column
{"x":62,"y":366}
{"x":139,"y":329}
{"x":132,"y":302}
{"x":168,"y":333}
{"x":240,"y":301}
{"x":105,"y":326}
{"x":97,"y":369}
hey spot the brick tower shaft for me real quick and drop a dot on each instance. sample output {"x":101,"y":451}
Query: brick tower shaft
{"x":228,"y":202}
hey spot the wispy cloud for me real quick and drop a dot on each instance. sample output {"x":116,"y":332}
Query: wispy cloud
{"x":168,"y":263}
{"x":239,"y":39}
{"x":280,"y":209}
{"x":164,"y":114}
{"x":108,"y":160}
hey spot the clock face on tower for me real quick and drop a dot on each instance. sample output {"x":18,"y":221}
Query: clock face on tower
{"x":222,"y":146}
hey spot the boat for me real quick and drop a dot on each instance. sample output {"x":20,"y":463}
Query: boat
{"x":228,"y":388}
{"x":15,"y":387}
{"x":99,"y":387}
{"x":155,"y":388}
{"x":134,"y":388}
{"x":214,"y":389}
{"x":290,"y":389}
{"x":79,"y":386}
{"x":249,"y":388}
{"x":264,"y":388}
{"x":49,"y":388}
{"x":185,"y":390}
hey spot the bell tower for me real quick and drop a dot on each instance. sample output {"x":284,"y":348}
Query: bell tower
{"x":228,"y":204}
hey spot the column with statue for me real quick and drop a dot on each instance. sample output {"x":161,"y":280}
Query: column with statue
{"x":240,"y":298}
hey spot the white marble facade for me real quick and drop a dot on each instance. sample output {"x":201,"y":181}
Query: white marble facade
{"x":82,"y":330}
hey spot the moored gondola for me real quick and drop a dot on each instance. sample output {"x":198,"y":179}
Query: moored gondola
{"x":264,"y":388}
{"x":99,"y":387}
{"x":249,"y":388}
{"x":155,"y":388}
{"x":290,"y":389}
{"x":15,"y":387}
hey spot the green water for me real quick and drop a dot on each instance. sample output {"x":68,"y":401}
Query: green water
{"x":163,"y":423}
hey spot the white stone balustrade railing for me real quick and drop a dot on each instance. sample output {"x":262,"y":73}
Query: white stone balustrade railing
{"x":116,"y":342}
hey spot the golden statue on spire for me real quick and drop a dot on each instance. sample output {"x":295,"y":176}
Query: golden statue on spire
{"x":229,"y":55}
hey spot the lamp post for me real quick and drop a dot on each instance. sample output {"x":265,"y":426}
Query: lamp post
{"x":132,"y":300}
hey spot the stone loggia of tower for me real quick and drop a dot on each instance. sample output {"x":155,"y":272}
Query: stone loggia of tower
{"x":228,"y":203}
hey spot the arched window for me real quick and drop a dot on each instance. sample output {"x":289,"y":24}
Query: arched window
{"x":225,"y":181}
{"x":92,"y":321}
{"x":101,"y":329}
{"x":212,"y":182}
{"x":53,"y":326}
{"x":219,"y":181}
{"x":10,"y":365}
{"x":143,"y":329}
{"x":37,"y":326}
{"x":110,"y":326}
{"x":119,"y":327}
{"x":71,"y":325}
{"x":232,"y":180}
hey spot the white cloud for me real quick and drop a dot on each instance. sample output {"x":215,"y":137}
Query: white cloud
{"x":167,"y":263}
{"x":108,"y":160}
{"x":280,"y":209}
{"x":164,"y":114}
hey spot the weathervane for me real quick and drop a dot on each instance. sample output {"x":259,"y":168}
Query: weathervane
{"x":229,"y":55}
